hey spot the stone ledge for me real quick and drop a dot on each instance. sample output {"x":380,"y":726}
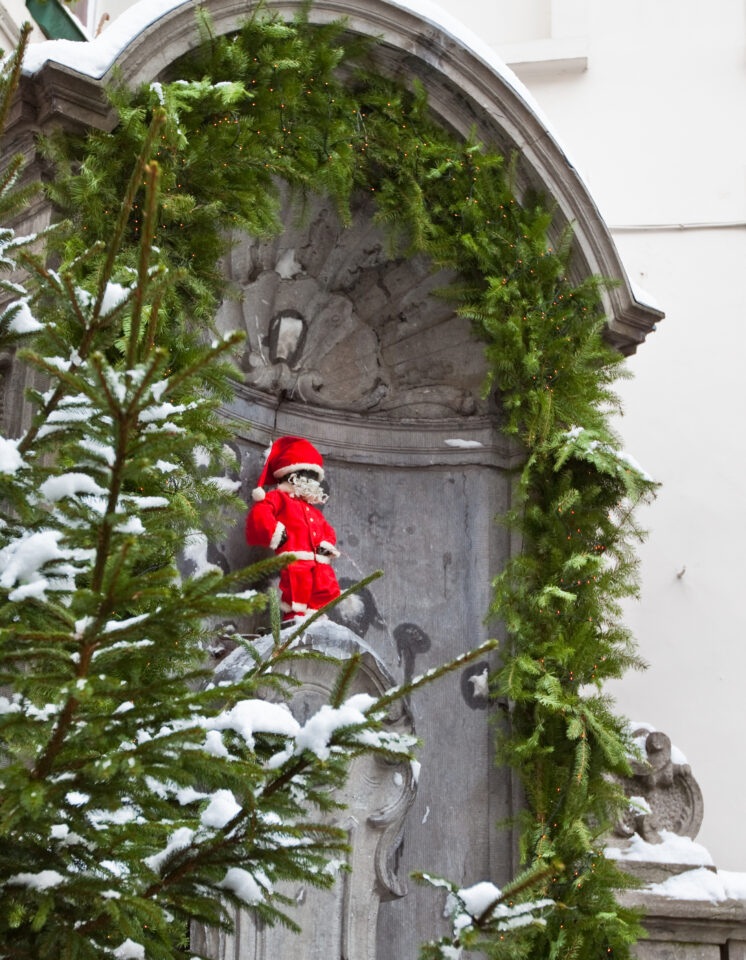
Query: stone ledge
{"x":363,"y":439}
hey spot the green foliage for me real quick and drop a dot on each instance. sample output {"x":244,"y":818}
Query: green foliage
{"x":135,"y":796}
{"x":287,"y":103}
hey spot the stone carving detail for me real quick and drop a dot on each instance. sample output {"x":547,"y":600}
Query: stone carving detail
{"x":669,"y":789}
{"x":334,"y":322}
{"x":340,"y":922}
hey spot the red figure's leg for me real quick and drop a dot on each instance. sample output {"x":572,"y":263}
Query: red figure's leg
{"x":296,"y":584}
{"x":325,"y":586}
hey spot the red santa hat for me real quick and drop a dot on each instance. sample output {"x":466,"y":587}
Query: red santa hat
{"x":287,"y":455}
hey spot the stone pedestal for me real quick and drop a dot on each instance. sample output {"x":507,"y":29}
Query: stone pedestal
{"x":340,"y":922}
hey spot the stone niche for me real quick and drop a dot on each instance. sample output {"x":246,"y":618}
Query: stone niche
{"x":351,"y":348}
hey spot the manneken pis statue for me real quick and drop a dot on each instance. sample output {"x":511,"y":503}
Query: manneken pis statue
{"x":286,"y":520}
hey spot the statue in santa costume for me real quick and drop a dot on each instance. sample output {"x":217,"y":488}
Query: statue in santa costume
{"x":286,"y":520}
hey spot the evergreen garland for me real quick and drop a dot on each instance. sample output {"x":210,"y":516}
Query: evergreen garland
{"x":290,"y":102}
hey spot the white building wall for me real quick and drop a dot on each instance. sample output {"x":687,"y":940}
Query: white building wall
{"x":650,"y":99}
{"x":656,"y":124}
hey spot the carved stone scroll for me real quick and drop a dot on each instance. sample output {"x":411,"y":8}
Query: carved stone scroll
{"x":340,"y":922}
{"x":668,"y":788}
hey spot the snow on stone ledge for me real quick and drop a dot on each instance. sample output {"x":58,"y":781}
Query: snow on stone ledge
{"x":95,"y":57}
{"x":674,"y":849}
{"x":463,"y":444}
{"x":702,"y":884}
{"x":643,"y":297}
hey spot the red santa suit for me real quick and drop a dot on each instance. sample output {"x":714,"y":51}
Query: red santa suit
{"x":284,"y":522}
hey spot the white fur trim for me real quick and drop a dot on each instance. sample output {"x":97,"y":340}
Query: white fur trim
{"x":330,"y":547}
{"x":258,"y":494}
{"x":285,"y":607}
{"x":320,"y":558}
{"x":294,"y":467}
{"x":301,"y":554}
{"x":274,"y":543}
{"x":299,"y":607}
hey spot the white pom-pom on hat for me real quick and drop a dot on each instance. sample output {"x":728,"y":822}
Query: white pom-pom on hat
{"x":258,"y":494}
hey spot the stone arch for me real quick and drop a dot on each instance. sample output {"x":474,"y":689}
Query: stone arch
{"x":467,"y":84}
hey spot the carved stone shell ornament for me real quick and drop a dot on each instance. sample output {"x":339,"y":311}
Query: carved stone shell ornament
{"x":333,"y":321}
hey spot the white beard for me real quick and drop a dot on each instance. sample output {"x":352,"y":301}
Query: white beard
{"x":304,"y":488}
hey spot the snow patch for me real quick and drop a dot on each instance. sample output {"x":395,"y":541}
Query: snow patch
{"x":673,"y":849}
{"x":221,"y":809}
{"x":201,"y":456}
{"x":161,"y":411}
{"x":702,"y":884}
{"x":130,"y":950}
{"x":77,"y":799}
{"x":477,"y":898}
{"x":225,"y":484}
{"x":480,"y":684}
{"x":95,"y":58}
{"x":113,"y":625}
{"x":22,"y":559}
{"x":464,"y":444}
{"x":318,"y":730}
{"x":10,"y":458}
{"x":243,"y":884}
{"x":44,"y":880}
{"x":642,"y":296}
{"x":114,"y":295}
{"x":69,"y":485}
{"x":248,"y":717}
{"x":677,"y":755}
{"x":157,"y":88}
{"x":287,"y":266}
{"x":351,"y":607}
{"x":101,"y":451}
{"x":24,"y":321}
{"x":132,"y":524}
{"x":177,"y":841}
{"x":590,"y":445}
{"x":195,"y":550}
